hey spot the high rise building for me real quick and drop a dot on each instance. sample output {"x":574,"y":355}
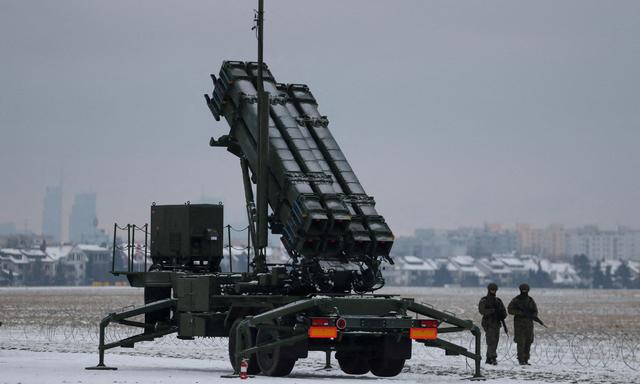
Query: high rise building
{"x":83,"y":220}
{"x":547,"y":242}
{"x":597,"y":244}
{"x":52,"y":214}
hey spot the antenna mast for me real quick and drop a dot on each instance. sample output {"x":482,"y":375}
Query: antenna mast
{"x":263,"y":150}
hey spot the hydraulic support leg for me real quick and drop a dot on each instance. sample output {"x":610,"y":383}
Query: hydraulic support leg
{"x":121,"y":318}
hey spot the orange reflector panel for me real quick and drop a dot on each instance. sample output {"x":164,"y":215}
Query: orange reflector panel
{"x":317,"y":332}
{"x":423,"y":333}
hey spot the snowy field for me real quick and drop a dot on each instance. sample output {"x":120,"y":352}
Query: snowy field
{"x":50,"y":334}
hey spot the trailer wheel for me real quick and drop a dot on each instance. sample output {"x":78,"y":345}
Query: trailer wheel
{"x":386,"y":367}
{"x":353,"y":364}
{"x":272,"y":362}
{"x":253,"y":368}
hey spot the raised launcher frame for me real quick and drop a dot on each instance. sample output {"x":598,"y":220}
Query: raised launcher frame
{"x":268,"y":327}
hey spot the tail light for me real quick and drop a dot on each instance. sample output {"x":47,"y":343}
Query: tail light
{"x":424,"y":330}
{"x":322,"y":328}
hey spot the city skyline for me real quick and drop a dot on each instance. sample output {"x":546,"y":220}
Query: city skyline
{"x":10,"y":226}
{"x":82,"y":223}
{"x":450,"y":114}
{"x":76,"y":224}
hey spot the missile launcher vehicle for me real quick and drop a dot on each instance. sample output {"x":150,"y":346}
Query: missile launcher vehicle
{"x":323,"y":298}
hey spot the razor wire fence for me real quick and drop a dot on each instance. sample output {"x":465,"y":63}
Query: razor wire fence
{"x":64,"y":332}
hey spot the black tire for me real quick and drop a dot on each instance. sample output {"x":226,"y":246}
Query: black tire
{"x":272,"y":362}
{"x":386,"y":367}
{"x":253,"y":368}
{"x":353,"y":365}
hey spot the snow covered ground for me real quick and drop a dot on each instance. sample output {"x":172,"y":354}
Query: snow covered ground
{"x":56,"y":367}
{"x":50,"y":335}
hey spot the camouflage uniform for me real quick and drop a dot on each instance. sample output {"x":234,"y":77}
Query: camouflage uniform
{"x":524,"y":309}
{"x":493,"y":312}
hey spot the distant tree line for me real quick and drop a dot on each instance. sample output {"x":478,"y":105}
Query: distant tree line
{"x":593,"y":275}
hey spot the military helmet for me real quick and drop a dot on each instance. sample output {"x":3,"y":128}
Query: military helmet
{"x":492,"y":287}
{"x":524,"y":287}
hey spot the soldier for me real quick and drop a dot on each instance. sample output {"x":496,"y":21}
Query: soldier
{"x":524,"y":311}
{"x":493,"y":314}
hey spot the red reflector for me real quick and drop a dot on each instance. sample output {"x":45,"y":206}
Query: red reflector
{"x":320,"y":321}
{"x":321,"y":332}
{"x":429,"y":323}
{"x":423,"y":333}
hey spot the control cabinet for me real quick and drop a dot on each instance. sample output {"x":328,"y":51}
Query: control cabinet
{"x":189,"y":235}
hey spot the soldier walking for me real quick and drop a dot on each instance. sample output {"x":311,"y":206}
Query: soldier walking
{"x":493,"y":314}
{"x":525,"y":312}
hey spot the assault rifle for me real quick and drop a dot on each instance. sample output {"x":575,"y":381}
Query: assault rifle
{"x":537,"y":320}
{"x":504,"y":326}
{"x":532,"y":317}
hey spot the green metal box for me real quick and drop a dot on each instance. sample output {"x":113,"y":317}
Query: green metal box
{"x":192,"y":325}
{"x":188,"y":236}
{"x":193,"y":293}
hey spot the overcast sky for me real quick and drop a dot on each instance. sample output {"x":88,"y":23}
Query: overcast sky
{"x":451,"y":112}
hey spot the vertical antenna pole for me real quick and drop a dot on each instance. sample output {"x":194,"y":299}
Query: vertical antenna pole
{"x":263,"y":149}
{"x":129,"y":248}
{"x":133,"y":244}
{"x":146,"y":244}
{"x":260,"y":25}
{"x":113,"y":250}
{"x":229,"y":240}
